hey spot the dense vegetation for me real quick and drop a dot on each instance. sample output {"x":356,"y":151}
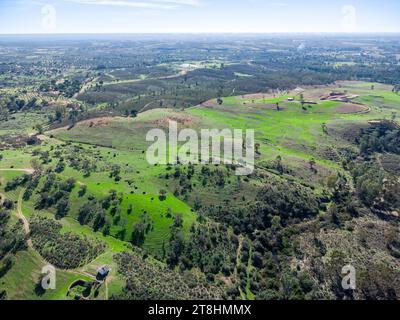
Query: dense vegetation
{"x":12,"y":240}
{"x":65,"y":251}
{"x":149,"y":280}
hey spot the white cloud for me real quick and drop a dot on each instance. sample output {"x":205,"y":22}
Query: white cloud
{"x":145,"y":4}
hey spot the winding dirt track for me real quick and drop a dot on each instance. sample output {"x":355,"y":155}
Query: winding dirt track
{"x":27,"y":170}
{"x":20,"y":215}
{"x":23,"y":219}
{"x":25,"y":222}
{"x":26,"y":227}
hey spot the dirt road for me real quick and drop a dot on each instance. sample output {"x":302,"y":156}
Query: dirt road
{"x":23,"y":218}
{"x":26,"y":170}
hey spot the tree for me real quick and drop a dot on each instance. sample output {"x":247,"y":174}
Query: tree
{"x":276,"y":223}
{"x":99,"y":220}
{"x":302,"y":101}
{"x":279,"y":165}
{"x":130,"y":208}
{"x":7,"y":204}
{"x":3,"y":295}
{"x":60,"y":166}
{"x":62,"y":209}
{"x":138,"y":234}
{"x":115,"y":171}
{"x":178,"y":221}
{"x":39,"y":128}
{"x":36,"y":166}
{"x":82,"y":190}
{"x":312,"y":164}
{"x":73,"y":115}
{"x":163,"y":195}
{"x":106,"y":230}
{"x":324,"y":128}
{"x":85,"y":214}
{"x":197,"y":204}
{"x":60,"y":111}
{"x":67,"y":185}
{"x":177,"y":246}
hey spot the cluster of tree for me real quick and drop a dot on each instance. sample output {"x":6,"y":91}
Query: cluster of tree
{"x":258,"y":260}
{"x":69,"y":114}
{"x":147,"y":279}
{"x":65,"y":251}
{"x":176,"y":241}
{"x":30,"y":185}
{"x":115,"y":172}
{"x":382,"y":138}
{"x":17,"y":182}
{"x":102,"y":214}
{"x":67,"y":87}
{"x":291,"y":202}
{"x":91,"y":213}
{"x":78,"y":158}
{"x":376,"y":188}
{"x":187,"y":177}
{"x":55,"y":192}
{"x":393,"y":242}
{"x":13,"y":104}
{"x":12,"y":238}
{"x":211,"y":248}
{"x":44,"y":156}
{"x":141,"y":229}
{"x":276,"y":166}
{"x":257,"y":263}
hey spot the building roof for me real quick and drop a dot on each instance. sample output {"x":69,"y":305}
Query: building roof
{"x":104,"y":270}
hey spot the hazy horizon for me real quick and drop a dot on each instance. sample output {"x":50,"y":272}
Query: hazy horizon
{"x":197,"y":16}
{"x":289,"y":33}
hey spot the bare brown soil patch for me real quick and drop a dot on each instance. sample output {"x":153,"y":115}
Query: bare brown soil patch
{"x":98,"y":122}
{"x":257,"y":96}
{"x":183,"y":120}
{"x":210,"y":103}
{"x":351,"y":108}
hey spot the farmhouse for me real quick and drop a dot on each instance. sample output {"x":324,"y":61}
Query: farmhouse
{"x":103,"y":272}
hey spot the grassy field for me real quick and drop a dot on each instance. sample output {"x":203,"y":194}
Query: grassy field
{"x":21,"y":280}
{"x":294,"y":132}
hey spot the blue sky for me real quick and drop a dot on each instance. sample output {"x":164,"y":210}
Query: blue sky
{"x":195,"y":16}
